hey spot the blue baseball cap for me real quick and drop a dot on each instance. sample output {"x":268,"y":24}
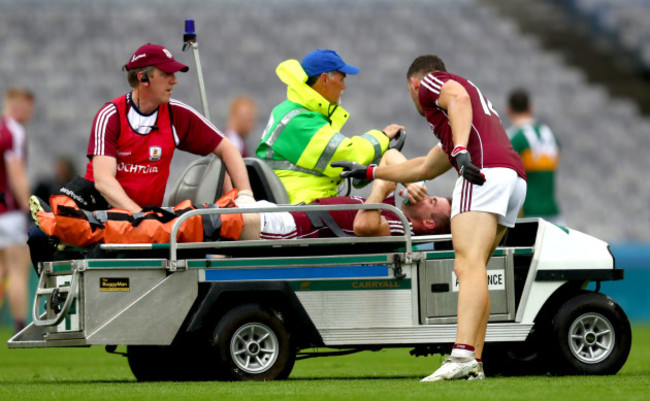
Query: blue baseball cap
{"x":323,"y":60}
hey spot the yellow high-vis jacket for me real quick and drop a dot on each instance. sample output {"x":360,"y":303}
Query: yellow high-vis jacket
{"x":302,"y":138}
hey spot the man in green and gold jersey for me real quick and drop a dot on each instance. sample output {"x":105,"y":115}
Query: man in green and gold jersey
{"x":540,"y":152}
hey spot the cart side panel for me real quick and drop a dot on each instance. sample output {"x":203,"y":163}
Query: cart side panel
{"x":357,"y":303}
{"x":152,"y":316}
{"x":335,"y":291}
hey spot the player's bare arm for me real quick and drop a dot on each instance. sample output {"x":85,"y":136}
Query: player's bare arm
{"x":455,"y":99}
{"x":370,"y":223}
{"x":234,"y":163}
{"x":415,"y":192}
{"x":421,"y":168}
{"x":104,"y":172}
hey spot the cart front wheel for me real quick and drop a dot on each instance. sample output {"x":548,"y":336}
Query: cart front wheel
{"x":252,"y":343}
{"x":592,"y":336}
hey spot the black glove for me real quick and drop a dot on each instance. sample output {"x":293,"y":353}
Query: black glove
{"x":355,"y":170}
{"x":465,"y":167}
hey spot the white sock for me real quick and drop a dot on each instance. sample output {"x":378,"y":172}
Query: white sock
{"x":464,"y":353}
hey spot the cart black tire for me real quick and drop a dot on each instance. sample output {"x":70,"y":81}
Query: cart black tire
{"x":590,"y":335}
{"x":169,"y":363}
{"x":252,"y":343}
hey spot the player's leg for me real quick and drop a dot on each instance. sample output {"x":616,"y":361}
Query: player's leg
{"x":17,"y":263}
{"x":5,"y":230}
{"x":3,"y":277}
{"x":501,"y":198}
{"x":480,"y":216}
{"x":473,"y":235}
{"x":480,"y":335}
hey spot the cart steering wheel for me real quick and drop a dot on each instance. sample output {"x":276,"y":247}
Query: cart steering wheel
{"x":396,"y":143}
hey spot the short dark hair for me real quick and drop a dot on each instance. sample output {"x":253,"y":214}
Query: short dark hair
{"x":312,"y":80}
{"x":425,"y":64}
{"x":519,"y":101}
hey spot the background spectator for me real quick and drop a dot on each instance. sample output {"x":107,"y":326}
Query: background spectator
{"x":18,"y":106}
{"x":540,"y":152}
{"x":241,"y":120}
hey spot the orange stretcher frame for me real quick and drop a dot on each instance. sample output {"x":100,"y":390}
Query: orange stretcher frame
{"x":77,"y":227}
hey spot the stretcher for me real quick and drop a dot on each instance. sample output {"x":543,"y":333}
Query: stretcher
{"x":247,"y":310}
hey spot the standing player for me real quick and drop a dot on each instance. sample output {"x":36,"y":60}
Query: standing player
{"x":489,"y":192}
{"x":134,"y":136}
{"x":241,"y":120}
{"x":14,"y":201}
{"x":540,"y":153}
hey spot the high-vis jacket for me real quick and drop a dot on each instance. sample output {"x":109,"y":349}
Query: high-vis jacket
{"x":303,"y":137}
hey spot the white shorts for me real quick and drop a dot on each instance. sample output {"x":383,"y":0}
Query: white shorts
{"x":13,"y":229}
{"x":503,"y":194}
{"x":274,"y":225}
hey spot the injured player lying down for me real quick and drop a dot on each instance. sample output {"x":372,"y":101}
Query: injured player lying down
{"x":73,"y":226}
{"x":63,"y":219}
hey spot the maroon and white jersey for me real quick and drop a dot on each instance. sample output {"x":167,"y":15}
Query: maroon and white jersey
{"x":488,"y":143}
{"x":143,"y":145}
{"x":343,"y":218}
{"x":13,"y":145}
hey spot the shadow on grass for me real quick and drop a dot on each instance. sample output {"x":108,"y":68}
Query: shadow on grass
{"x":348,"y":378}
{"x":59,"y":382}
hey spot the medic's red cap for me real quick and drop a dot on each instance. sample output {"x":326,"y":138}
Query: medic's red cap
{"x":157,"y":56}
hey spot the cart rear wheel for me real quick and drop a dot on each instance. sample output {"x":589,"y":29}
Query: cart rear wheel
{"x":591,"y":335}
{"x":252,"y":343}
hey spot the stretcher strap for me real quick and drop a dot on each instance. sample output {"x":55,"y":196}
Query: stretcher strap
{"x":323,"y":219}
{"x":211,"y":225}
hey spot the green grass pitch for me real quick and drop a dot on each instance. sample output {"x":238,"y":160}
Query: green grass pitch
{"x":75,"y":374}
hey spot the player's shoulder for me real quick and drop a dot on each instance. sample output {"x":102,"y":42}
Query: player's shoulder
{"x":177,"y":105}
{"x":442,"y":77}
{"x":183,"y":111}
{"x":432,"y":83}
{"x":106,"y":111}
{"x":182,"y":114}
{"x":441,"y":74}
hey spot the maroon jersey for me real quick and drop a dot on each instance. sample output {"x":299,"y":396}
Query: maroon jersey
{"x":144,"y":156}
{"x":12,"y":144}
{"x":343,"y":218}
{"x":488,"y":143}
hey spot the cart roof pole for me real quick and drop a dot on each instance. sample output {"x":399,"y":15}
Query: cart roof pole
{"x":190,"y":42}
